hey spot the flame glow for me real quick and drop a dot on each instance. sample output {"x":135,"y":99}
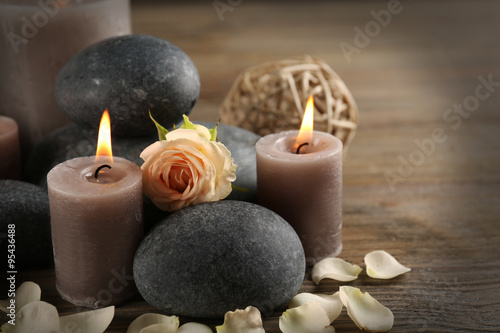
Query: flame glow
{"x":104,"y":139}
{"x":306,"y":129}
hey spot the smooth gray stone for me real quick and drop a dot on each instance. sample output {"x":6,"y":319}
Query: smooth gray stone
{"x":128,"y":75}
{"x":207,"y":259}
{"x":27,"y":207}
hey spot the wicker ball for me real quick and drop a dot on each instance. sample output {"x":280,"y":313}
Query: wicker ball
{"x":271,"y":98}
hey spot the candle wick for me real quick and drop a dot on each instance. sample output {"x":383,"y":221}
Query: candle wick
{"x":96,"y":174}
{"x":300,"y":146}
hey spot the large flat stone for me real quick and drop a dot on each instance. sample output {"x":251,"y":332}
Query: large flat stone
{"x":207,"y":259}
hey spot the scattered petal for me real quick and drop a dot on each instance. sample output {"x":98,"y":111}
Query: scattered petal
{"x":307,"y":318}
{"x":159,"y":328}
{"x":330,"y":303}
{"x":382,"y":265}
{"x":95,"y":321}
{"x":26,"y":293}
{"x":242,"y":321}
{"x":194,"y":328}
{"x":34,"y":317}
{"x":366,"y":312}
{"x":335,"y":268}
{"x":149,"y":319}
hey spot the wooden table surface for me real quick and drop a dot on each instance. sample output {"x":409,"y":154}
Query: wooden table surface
{"x":440,"y":216}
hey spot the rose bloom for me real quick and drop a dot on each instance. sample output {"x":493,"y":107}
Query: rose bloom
{"x":186,"y":169}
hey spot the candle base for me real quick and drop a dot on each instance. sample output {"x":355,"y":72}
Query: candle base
{"x":99,"y":302}
{"x":327,"y":247}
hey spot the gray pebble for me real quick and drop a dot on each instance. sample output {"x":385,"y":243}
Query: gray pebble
{"x":207,"y":259}
{"x":26,"y":206}
{"x":128,"y":75}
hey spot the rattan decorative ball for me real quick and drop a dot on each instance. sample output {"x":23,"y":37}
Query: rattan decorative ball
{"x":271,"y":98}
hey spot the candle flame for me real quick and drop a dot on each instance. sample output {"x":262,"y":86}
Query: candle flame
{"x":306,"y":129}
{"x":104,"y":139}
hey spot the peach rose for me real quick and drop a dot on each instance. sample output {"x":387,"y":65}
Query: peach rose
{"x":186,"y":169}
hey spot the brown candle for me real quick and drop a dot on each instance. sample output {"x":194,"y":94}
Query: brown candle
{"x":97,"y":225}
{"x":10,"y":156}
{"x":300,"y":178}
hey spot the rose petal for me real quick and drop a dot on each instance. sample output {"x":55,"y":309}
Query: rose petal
{"x":242,"y":321}
{"x":159,"y":328}
{"x":95,"y":321}
{"x":183,"y":133}
{"x":335,"y":268}
{"x":34,"y":317}
{"x":382,"y":265}
{"x":307,"y":318}
{"x":149,"y":319}
{"x":366,"y":312}
{"x":330,"y":303}
{"x":151,"y":150}
{"x":26,"y":293}
{"x":226,"y":172}
{"x":194,"y":328}
{"x":203,"y":131}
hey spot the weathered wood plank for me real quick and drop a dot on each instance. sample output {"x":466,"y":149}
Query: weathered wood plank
{"x":442,"y":220}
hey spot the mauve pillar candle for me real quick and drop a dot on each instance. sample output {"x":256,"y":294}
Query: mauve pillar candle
{"x":305,"y":189}
{"x":37,"y":37}
{"x":97,"y":225}
{"x":10,"y":155}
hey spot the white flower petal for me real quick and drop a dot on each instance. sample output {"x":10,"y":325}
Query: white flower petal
{"x":26,"y":293}
{"x":330,"y":303}
{"x":382,"y":265}
{"x":335,"y":268}
{"x":34,"y":317}
{"x":95,"y":321}
{"x":184,"y":133}
{"x":242,"y":321}
{"x":151,"y":150}
{"x":366,"y":312}
{"x":202,"y":131}
{"x":307,"y":318}
{"x":159,"y":328}
{"x":194,"y":328}
{"x":149,"y":319}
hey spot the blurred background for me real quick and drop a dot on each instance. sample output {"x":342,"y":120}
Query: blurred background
{"x":426,"y":58}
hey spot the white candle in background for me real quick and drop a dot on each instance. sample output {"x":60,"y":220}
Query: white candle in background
{"x":37,"y":37}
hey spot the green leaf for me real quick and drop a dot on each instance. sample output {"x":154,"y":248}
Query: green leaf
{"x":162,"y":132}
{"x":240,"y":189}
{"x":187,"y":123}
{"x":213,"y":132}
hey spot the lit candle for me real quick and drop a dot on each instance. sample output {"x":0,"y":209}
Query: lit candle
{"x":10,"y":156}
{"x":299,"y":176}
{"x":37,"y":37}
{"x":97,"y":225}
